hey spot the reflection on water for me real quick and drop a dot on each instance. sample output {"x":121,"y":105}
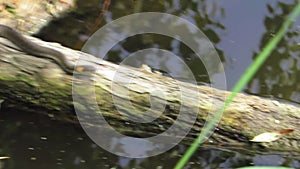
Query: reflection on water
{"x":238,"y":29}
{"x":279,"y":75}
{"x":34,"y":141}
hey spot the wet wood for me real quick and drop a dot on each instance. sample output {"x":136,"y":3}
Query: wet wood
{"x":39,"y":85}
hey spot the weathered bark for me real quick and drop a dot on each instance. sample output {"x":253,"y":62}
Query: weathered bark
{"x":29,"y":16}
{"x":30,"y":82}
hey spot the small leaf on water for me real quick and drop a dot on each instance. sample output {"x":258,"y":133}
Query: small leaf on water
{"x":4,"y":157}
{"x":271,"y":136}
{"x":266,"y":137}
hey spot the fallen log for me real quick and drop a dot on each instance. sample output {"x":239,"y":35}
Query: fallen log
{"x":37,"y":84}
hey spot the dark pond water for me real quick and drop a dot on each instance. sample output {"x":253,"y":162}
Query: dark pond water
{"x":238,"y":29}
{"x":35,"y":141}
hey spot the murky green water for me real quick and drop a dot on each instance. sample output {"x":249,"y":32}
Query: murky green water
{"x":238,"y":29}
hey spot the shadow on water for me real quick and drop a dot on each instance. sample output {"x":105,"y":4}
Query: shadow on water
{"x":238,"y":29}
